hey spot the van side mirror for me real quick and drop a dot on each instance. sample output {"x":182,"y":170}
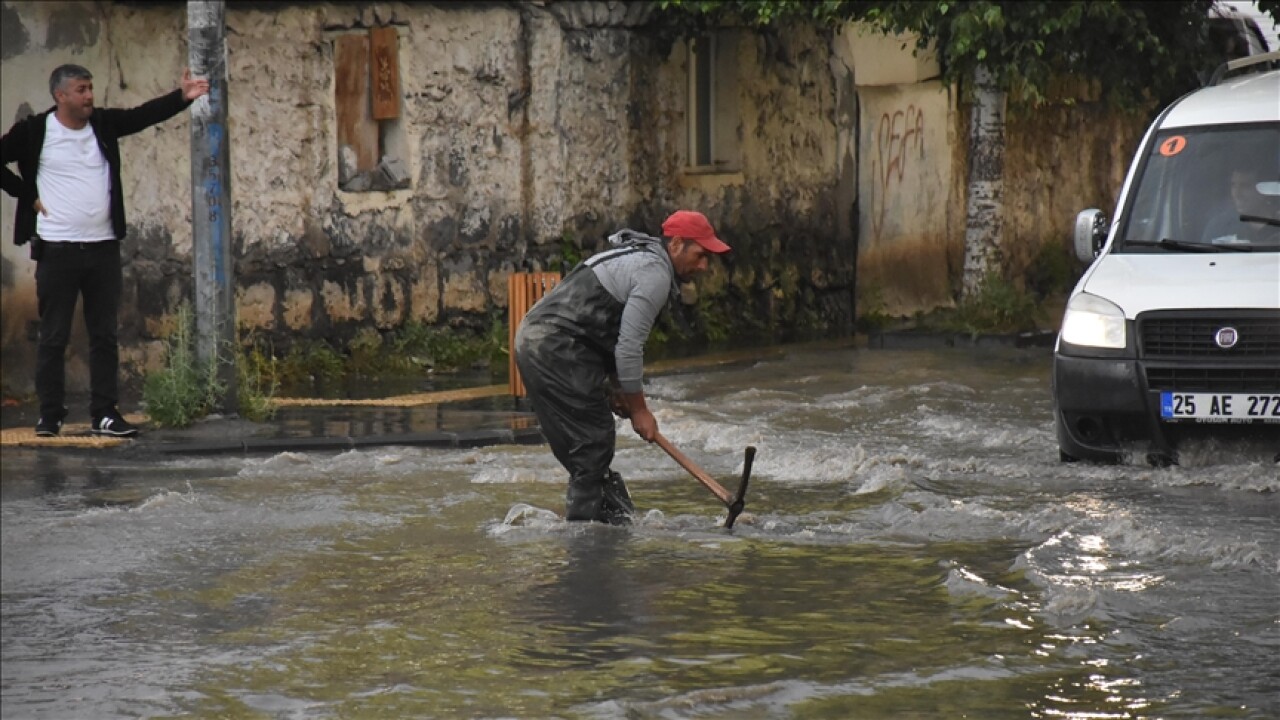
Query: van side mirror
{"x":1090,"y":234}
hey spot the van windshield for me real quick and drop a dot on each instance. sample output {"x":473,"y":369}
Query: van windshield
{"x":1211,"y":189}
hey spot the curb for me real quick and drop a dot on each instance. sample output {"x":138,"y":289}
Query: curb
{"x":929,"y":340}
{"x":440,"y":440}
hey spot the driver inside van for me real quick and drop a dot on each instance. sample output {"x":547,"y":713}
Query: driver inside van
{"x":1250,"y":216}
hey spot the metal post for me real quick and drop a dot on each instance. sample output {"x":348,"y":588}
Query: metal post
{"x":211,"y":195}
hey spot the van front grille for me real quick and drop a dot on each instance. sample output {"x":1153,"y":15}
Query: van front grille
{"x":1192,"y":334}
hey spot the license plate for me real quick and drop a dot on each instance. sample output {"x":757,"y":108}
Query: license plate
{"x":1220,"y":407}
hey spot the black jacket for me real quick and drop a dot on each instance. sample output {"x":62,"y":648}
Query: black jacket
{"x":25,"y":140}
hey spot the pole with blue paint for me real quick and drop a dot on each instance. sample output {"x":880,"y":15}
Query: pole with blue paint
{"x":211,"y":196}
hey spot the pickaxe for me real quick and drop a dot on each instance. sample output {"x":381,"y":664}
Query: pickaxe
{"x":735,"y":503}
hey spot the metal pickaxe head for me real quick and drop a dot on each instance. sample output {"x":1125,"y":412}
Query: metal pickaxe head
{"x":740,"y":500}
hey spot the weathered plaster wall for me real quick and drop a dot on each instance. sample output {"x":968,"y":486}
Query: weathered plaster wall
{"x":528,"y":130}
{"x":1059,"y":159}
{"x":531,"y":131}
{"x":912,"y":223}
{"x":782,"y":211}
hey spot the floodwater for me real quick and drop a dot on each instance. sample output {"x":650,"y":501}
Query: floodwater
{"x":912,"y":548}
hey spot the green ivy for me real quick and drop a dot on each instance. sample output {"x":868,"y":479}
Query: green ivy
{"x":1139,"y":50}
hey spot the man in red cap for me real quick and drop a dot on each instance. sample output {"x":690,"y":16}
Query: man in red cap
{"x":591,"y":329}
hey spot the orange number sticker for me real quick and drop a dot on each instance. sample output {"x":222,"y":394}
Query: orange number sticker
{"x":1173,"y":146}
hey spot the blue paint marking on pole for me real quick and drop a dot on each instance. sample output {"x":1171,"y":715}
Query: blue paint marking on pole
{"x":214,"y":133}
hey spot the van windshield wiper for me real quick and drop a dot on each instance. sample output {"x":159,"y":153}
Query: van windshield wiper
{"x":1260,"y":219}
{"x":1170,"y":244}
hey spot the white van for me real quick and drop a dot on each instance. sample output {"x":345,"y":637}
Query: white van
{"x":1174,"y":330}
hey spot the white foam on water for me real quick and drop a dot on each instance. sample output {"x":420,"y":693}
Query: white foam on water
{"x":899,"y":523}
{"x":690,"y":433}
{"x":861,"y":397}
{"x":944,"y":429}
{"x":780,"y":698}
{"x":781,"y":460}
{"x":167,"y":498}
{"x":287,"y":458}
{"x":1259,"y":477}
{"x":516,"y":475}
{"x":926,"y":517}
{"x":804,"y":467}
{"x":762,"y":399}
{"x":1071,"y":605}
{"x":1128,"y":537}
{"x":383,"y":462}
{"x":1123,"y":555}
{"x":670,"y":387}
{"x":963,"y":582}
{"x":1004,"y":468}
{"x":158,"y":500}
{"x":881,"y":477}
{"x":524,"y":521}
{"x":525,"y":515}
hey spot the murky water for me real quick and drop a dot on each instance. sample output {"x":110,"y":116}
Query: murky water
{"x":911,"y":548}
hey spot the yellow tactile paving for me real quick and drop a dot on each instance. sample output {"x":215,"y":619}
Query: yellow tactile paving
{"x":430,"y":398}
{"x":73,"y":435}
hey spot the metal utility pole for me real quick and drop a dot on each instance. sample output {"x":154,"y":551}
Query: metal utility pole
{"x":211,"y":195}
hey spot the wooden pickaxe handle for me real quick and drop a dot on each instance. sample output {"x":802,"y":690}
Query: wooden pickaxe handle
{"x":698,"y":473}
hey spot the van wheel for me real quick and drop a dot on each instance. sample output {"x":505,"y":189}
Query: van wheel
{"x":1064,"y":457}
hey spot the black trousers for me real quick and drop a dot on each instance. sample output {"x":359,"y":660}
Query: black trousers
{"x":66,"y":272}
{"x":563,"y":349}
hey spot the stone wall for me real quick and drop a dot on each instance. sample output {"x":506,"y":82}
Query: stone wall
{"x":529,"y":131}
{"x":1059,"y":159}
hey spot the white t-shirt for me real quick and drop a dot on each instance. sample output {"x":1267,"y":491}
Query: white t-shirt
{"x":74,"y":182}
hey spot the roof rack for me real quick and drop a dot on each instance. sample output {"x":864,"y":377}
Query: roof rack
{"x":1227,"y":68}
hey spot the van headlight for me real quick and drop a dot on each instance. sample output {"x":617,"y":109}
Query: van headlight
{"x":1091,"y":321}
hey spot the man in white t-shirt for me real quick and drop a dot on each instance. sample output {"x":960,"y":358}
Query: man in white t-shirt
{"x":71,"y":210}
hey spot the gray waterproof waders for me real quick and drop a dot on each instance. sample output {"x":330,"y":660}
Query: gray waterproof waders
{"x":564,"y":349}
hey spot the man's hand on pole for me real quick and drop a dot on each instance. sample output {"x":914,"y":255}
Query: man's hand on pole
{"x":193,"y":88}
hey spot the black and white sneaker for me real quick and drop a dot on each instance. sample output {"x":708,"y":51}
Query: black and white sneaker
{"x":48,"y":427}
{"x":114,"y":425}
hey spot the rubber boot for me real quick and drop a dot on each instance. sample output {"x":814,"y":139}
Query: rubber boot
{"x":583,"y":500}
{"x":616,"y":508}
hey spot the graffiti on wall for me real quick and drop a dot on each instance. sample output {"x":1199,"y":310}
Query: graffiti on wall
{"x":899,"y":140}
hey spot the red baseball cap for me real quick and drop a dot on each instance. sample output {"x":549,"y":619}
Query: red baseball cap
{"x":696,"y":227}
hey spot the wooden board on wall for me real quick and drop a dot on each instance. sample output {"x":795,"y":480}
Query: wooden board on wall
{"x":385,"y":58}
{"x":356,"y":124}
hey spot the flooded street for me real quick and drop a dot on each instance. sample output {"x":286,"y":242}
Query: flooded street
{"x":911,"y":548}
